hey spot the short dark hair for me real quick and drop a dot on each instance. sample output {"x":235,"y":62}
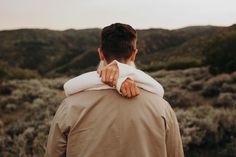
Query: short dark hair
{"x":118,"y":41}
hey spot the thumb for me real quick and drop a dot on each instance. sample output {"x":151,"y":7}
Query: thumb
{"x":99,"y":72}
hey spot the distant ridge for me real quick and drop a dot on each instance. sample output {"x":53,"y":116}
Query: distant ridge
{"x":71,"y":52}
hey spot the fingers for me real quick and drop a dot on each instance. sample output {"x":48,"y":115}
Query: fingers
{"x":103,"y":75}
{"x":109,"y":75}
{"x":123,"y":90}
{"x":99,"y":72}
{"x":129,"y":89}
{"x":116,"y":75}
{"x":132,"y":89}
{"x":137,"y":90}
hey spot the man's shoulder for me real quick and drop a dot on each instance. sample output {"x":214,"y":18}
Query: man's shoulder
{"x":88,"y":97}
{"x":86,"y":100}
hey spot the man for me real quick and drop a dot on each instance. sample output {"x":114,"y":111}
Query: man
{"x":102,"y":123}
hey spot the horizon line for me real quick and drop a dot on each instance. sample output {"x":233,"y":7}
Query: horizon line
{"x":87,"y":28}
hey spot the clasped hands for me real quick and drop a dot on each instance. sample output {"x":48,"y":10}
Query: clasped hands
{"x":110,"y":74}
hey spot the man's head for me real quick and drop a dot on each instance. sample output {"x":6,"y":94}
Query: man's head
{"x":118,"y":41}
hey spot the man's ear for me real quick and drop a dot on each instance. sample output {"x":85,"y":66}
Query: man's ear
{"x":101,"y":55}
{"x":133,"y":55}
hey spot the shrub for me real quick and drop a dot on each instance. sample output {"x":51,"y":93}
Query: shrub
{"x":233,"y":75}
{"x":10,"y":72}
{"x":11,"y":107}
{"x":6,"y":89}
{"x":195,"y":86}
{"x":182,"y":64}
{"x":227,"y":100}
{"x":32,"y":104}
{"x":197,"y":73}
{"x":206,"y":127}
{"x":195,"y":124}
{"x":220,"y":53}
{"x":18,"y":73}
{"x":230,"y":149}
{"x":213,"y":85}
{"x":180,"y":98}
{"x":231,"y":88}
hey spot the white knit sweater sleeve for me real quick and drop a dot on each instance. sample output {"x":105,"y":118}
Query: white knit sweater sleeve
{"x":92,"y":81}
{"x":142,"y":79}
{"x":82,"y":82}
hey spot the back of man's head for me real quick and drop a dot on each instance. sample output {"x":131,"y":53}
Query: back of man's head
{"x":118,"y":41}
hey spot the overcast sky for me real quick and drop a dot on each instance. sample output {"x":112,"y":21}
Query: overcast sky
{"x":77,"y":14}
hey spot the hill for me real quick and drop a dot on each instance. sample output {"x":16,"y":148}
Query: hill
{"x":42,"y":52}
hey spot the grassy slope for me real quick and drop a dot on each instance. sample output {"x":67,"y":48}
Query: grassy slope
{"x":72,"y":51}
{"x":204,"y":104}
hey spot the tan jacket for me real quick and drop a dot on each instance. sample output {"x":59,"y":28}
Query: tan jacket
{"x":105,"y":124}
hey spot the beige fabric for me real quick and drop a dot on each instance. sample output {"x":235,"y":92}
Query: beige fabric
{"x":105,"y":124}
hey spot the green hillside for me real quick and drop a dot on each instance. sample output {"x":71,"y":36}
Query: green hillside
{"x":45,"y":52}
